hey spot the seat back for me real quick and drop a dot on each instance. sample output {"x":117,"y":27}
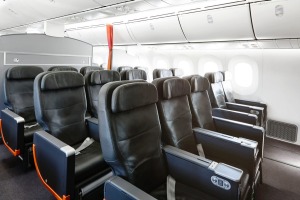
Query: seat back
{"x":177,"y":72}
{"x":142,"y":68}
{"x":18,"y":90}
{"x":130,"y":132}
{"x":60,"y":105}
{"x":62,"y":68}
{"x":200,"y":103}
{"x":174,"y":112}
{"x":162,"y":73}
{"x":94,"y":81}
{"x":216,"y":93}
{"x":227,"y":86}
{"x":85,"y":70}
{"x":134,"y":74}
{"x":119,"y":69}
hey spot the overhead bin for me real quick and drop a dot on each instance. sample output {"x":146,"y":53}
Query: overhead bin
{"x":97,"y":35}
{"x":93,"y":35}
{"x":224,"y":24}
{"x":158,"y":30}
{"x":276,"y":19}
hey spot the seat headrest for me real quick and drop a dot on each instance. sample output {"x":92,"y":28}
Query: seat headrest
{"x":199,"y":83}
{"x":119,"y":69}
{"x":175,"y":87}
{"x":177,"y":71}
{"x":103,"y":77}
{"x":85,"y":70}
{"x":125,"y":96}
{"x":62,"y":68}
{"x":61,"y":80}
{"x":216,"y":77}
{"x":23,"y":72}
{"x":134,"y":74}
{"x":164,"y":73}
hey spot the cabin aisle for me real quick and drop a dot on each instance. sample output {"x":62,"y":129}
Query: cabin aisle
{"x":15,"y":184}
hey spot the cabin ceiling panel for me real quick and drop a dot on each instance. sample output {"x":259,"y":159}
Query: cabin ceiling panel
{"x":160,"y":30}
{"x":94,"y":36}
{"x":276,"y":19}
{"x":231,"y":23}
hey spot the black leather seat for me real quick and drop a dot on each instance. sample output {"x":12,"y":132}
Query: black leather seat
{"x":202,"y":117}
{"x":162,"y":73}
{"x":60,"y":106}
{"x":217,"y":98}
{"x":93,"y":82}
{"x":62,"y":68}
{"x":86,"y":69}
{"x":121,"y":68}
{"x":177,"y":72}
{"x":130,"y":135}
{"x":176,"y":121}
{"x":228,"y":91}
{"x":18,"y":119}
{"x":133,"y":74}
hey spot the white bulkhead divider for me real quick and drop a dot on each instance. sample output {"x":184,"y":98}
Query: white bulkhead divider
{"x":224,"y":24}
{"x":92,"y":35}
{"x":159,"y":30}
{"x":276,"y":19}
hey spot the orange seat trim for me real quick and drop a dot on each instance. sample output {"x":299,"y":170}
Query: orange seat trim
{"x":64,"y":197}
{"x":14,"y":152}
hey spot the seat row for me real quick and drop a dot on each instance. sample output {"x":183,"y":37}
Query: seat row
{"x":69,"y":146}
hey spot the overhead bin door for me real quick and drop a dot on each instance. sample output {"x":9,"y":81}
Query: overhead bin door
{"x":94,"y":36}
{"x":276,"y":19}
{"x":224,"y":24}
{"x":160,"y":30}
{"x":97,"y":35}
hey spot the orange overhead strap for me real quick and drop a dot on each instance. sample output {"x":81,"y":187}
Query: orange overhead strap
{"x":110,"y":42}
{"x":64,"y":197}
{"x":14,"y":152}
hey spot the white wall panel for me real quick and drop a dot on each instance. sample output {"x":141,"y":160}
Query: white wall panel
{"x":232,"y":23}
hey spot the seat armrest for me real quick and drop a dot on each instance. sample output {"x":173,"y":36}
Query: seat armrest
{"x":118,"y":188}
{"x":235,"y":115}
{"x":216,"y":179}
{"x":12,"y":131}
{"x":235,"y":151}
{"x":251,"y":103}
{"x":259,"y":111}
{"x":93,"y":128}
{"x":239,"y":129}
{"x":54,"y":162}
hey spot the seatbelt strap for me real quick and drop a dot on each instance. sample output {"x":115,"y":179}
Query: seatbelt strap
{"x":87,"y":142}
{"x":33,"y":125}
{"x":171,"y":182}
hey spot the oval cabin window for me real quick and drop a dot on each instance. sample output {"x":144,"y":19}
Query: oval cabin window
{"x":243,"y":74}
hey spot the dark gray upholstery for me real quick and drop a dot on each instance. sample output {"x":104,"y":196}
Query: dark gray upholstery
{"x":162,"y":73}
{"x":60,"y":109}
{"x":62,"y":68}
{"x":175,"y":114}
{"x":18,"y":90}
{"x":61,"y":113}
{"x":142,"y":68}
{"x":134,"y":74}
{"x":86,"y":69}
{"x":130,"y":135}
{"x":216,"y":93}
{"x":177,"y":72}
{"x":121,"y":68}
{"x":93,"y":82}
{"x":200,"y":103}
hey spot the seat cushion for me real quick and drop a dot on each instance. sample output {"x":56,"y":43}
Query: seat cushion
{"x":29,"y":129}
{"x":89,"y":162}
